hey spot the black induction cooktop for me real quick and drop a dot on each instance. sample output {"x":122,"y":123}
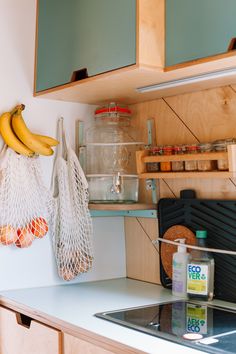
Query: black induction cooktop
{"x":201,"y":326}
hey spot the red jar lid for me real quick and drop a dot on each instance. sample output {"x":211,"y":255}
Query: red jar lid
{"x":113,"y":109}
{"x":167,"y":148}
{"x":192,"y":147}
{"x":177,"y":148}
{"x":156,"y":148}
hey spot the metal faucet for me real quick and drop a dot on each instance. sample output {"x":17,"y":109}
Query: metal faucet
{"x":116,"y":186}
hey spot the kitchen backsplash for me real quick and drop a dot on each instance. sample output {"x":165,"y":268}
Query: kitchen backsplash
{"x":184,"y":119}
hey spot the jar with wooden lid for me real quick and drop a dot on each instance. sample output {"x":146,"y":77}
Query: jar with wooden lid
{"x":154,"y":166}
{"x":177,"y":166}
{"x":191,"y":165}
{"x":165,"y":166}
{"x":206,"y":165}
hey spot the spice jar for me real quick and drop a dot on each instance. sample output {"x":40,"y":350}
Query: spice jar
{"x":221,"y":145}
{"x":165,"y":166}
{"x":205,"y":165}
{"x":177,"y":165}
{"x":154,"y":166}
{"x":191,"y":165}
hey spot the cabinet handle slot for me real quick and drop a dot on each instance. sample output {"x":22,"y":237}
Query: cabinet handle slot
{"x":232,"y":44}
{"x":78,"y":75}
{"x":23,"y":320}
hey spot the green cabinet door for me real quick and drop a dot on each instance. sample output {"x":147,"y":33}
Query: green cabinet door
{"x":99,"y":35}
{"x":198,"y":28}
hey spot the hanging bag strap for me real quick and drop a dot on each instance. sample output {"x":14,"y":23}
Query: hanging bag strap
{"x":61,"y":153}
{"x":63,"y":147}
{"x":3,"y":156}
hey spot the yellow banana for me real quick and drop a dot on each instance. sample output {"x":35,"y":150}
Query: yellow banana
{"x":47,"y":140}
{"x":10,"y":138}
{"x":25,"y":135}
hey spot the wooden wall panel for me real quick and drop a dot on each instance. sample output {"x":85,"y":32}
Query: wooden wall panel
{"x":193,"y":117}
{"x":233,"y":87}
{"x":210,"y":114}
{"x":169,"y":128}
{"x":142,"y":256}
{"x":208,"y":189}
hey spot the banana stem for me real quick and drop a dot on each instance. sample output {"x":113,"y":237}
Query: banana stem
{"x":18,"y":109}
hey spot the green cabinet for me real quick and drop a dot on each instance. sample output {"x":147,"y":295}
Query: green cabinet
{"x":198,"y":28}
{"x":99,"y":35}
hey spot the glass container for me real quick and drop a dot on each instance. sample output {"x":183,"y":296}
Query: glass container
{"x":165,"y":166}
{"x":206,"y":165}
{"x":221,"y":145}
{"x":154,"y":166}
{"x":110,"y":163}
{"x":191,"y":165}
{"x":200,"y":271}
{"x":177,"y":165}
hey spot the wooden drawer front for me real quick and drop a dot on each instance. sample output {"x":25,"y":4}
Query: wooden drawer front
{"x":31,"y":338}
{"x":73,"y":345}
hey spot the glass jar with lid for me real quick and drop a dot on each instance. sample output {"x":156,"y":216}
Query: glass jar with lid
{"x":205,"y":165}
{"x":110,"y":144}
{"x":154,"y":166}
{"x":177,"y":165}
{"x":191,"y":165}
{"x":165,"y":166}
{"x":221,"y":145}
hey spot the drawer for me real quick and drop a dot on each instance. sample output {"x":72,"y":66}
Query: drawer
{"x":74,"y":345}
{"x":21,"y":334}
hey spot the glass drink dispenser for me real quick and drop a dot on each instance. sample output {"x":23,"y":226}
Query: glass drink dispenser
{"x":110,"y":161}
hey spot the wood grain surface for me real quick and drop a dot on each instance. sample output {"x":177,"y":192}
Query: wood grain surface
{"x":201,"y":116}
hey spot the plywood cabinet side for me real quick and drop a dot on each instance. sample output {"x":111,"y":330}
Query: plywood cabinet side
{"x":17,"y":339}
{"x":74,"y":345}
{"x":142,"y":256}
{"x":50,"y":335}
{"x":150,"y":39}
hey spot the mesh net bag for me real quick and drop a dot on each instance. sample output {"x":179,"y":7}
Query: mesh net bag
{"x":25,"y":204}
{"x":72,"y":224}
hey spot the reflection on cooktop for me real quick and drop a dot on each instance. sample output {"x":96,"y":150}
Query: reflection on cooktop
{"x":186,"y":322}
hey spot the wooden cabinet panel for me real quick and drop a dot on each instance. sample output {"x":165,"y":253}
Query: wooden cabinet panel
{"x":16,"y":338}
{"x":121,"y":60}
{"x":99,"y":35}
{"x":142,"y":256}
{"x":73,"y":345}
{"x":198,"y":29}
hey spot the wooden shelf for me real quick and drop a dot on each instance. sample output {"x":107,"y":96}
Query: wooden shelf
{"x":121,"y":207}
{"x":187,"y":157}
{"x":197,"y":174}
{"x":142,"y":157}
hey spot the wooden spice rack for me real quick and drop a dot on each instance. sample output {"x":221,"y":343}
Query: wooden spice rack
{"x":142,"y":158}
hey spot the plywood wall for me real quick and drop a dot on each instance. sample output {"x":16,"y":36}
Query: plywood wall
{"x":189,"y":118}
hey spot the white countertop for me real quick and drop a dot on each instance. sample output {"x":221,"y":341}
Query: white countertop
{"x":76,"y":304}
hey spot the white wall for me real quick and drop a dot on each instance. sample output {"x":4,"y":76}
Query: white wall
{"x":35,"y":266}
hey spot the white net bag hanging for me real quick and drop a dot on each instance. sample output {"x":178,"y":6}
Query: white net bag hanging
{"x":25,"y":203}
{"x":72,"y":236}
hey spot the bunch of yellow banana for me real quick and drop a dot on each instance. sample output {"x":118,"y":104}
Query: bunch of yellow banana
{"x":17,"y":136}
